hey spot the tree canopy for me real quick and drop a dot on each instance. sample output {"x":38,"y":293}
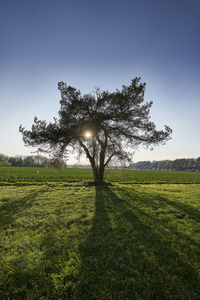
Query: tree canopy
{"x":103,"y":125}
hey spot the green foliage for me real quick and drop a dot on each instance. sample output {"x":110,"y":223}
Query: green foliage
{"x":104,"y":242}
{"x":56,"y":163}
{"x":5,"y":164}
{"x":183,"y":164}
{"x":24,"y":161}
{"x":103,"y":126}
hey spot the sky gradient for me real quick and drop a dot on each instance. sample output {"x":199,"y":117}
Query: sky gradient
{"x":102,"y":44}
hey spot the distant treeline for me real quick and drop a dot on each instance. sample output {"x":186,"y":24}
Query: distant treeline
{"x":27,"y":161}
{"x":183,"y":164}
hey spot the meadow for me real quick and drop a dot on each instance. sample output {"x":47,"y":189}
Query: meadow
{"x":121,"y":240}
{"x":46,"y":175}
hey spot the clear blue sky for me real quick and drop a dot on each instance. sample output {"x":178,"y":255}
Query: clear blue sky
{"x":105,"y":44}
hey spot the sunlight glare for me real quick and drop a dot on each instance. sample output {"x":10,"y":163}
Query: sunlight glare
{"x":88,"y":134}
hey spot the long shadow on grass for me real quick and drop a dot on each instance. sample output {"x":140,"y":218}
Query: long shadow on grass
{"x":185,"y":209}
{"x":11,"y":207}
{"x":125,"y":256}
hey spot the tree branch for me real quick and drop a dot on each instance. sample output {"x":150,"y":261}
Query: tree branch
{"x":86,"y":151}
{"x":109,"y":159}
{"x":98,"y":139}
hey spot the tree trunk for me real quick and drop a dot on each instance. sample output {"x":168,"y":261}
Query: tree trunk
{"x":95,"y":173}
{"x":101,"y":169}
{"x":98,"y":174}
{"x":98,"y":171}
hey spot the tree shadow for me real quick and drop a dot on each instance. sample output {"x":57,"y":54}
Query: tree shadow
{"x":185,"y":209}
{"x":11,"y":207}
{"x":126,"y":252}
{"x":127,"y":256}
{"x":54,"y":272}
{"x":161,"y":206}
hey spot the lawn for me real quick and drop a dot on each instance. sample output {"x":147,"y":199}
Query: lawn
{"x":117,"y":241}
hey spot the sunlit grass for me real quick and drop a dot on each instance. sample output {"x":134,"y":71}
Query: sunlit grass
{"x":104,"y":242}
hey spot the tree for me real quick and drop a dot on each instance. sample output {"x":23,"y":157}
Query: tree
{"x":3,"y":157}
{"x":4,"y":163}
{"x":56,"y":163}
{"x":16,"y":161}
{"x":198,"y":163}
{"x":103,"y":125}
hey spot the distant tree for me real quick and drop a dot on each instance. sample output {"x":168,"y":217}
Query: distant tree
{"x":56,"y":163}
{"x":183,"y":164}
{"x":16,"y":161}
{"x":4,"y":163}
{"x":103,"y":125}
{"x":198,"y":163}
{"x":3,"y":157}
{"x":40,"y":161}
{"x":28,"y":161}
{"x":142,"y":165}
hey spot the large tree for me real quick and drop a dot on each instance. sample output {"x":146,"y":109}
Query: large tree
{"x":103,"y":125}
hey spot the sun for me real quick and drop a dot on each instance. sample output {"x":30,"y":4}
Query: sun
{"x":88,"y":134}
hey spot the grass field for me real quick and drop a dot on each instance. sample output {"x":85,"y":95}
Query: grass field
{"x":43,"y":175}
{"x":120,"y":241}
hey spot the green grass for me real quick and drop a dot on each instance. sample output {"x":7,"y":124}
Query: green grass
{"x":103,"y":242}
{"x":44,"y":175}
{"x":38,"y":175}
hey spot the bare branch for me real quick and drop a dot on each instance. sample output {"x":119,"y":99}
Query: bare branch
{"x":109,"y":159}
